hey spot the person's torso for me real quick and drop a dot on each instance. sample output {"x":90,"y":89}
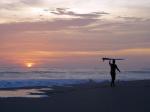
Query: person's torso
{"x":113,"y":68}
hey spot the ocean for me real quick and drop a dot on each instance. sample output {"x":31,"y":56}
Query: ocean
{"x":17,"y":77}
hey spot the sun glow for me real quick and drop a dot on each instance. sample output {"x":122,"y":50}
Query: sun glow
{"x":29,"y":65}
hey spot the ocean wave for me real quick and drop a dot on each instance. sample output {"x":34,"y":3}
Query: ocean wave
{"x":38,"y":83}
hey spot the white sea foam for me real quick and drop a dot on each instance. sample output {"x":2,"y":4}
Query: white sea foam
{"x":12,"y":78}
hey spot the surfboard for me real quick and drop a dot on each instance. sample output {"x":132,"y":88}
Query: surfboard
{"x":112,"y":59}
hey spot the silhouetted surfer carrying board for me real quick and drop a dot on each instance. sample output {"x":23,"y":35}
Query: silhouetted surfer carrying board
{"x":113,"y":68}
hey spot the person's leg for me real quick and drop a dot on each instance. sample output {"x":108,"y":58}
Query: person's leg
{"x":111,"y":81}
{"x":114,"y":77}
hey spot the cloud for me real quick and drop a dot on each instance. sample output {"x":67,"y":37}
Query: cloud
{"x":130,"y":18}
{"x":76,"y":34}
{"x":64,"y":11}
{"x":75,"y":20}
{"x":9,"y":5}
{"x":57,"y":24}
{"x":82,"y":31}
{"x":31,"y":1}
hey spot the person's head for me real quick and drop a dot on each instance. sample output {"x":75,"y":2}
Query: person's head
{"x":114,"y":61}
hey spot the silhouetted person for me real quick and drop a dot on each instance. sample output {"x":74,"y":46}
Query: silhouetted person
{"x":113,"y":68}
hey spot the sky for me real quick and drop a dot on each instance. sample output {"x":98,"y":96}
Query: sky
{"x":74,"y":33}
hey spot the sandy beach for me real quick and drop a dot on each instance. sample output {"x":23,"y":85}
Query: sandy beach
{"x":129,"y":96}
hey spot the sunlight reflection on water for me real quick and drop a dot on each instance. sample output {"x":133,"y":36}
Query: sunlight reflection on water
{"x":27,"y":93}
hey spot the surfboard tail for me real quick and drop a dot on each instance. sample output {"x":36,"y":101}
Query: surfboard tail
{"x":106,"y":59}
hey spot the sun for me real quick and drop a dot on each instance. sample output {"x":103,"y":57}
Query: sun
{"x":29,"y":65}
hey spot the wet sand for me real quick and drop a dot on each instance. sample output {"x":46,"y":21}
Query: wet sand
{"x":129,"y":96}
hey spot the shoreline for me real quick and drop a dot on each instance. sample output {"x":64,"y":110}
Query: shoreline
{"x":58,"y":82}
{"x":127,"y":96}
{"x":86,"y":82}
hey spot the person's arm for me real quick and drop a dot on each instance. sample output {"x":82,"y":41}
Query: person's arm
{"x":109,"y":62}
{"x":118,"y":68}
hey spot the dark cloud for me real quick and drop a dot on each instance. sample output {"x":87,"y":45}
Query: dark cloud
{"x":64,"y":11}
